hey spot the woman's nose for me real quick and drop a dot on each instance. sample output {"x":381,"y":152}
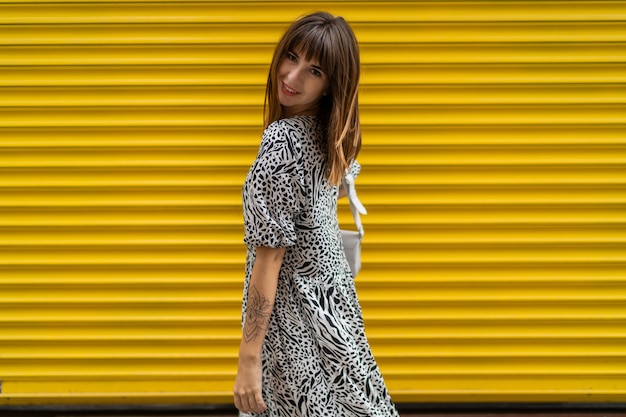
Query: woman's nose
{"x":295,"y":73}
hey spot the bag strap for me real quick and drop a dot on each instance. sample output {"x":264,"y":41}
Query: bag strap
{"x":355,"y":204}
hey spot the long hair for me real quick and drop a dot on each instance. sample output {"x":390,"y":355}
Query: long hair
{"x":330,"y":41}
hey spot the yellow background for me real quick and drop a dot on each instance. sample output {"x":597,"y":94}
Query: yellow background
{"x":494,"y":172}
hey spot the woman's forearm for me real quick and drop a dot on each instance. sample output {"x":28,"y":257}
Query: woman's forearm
{"x":261,"y":297}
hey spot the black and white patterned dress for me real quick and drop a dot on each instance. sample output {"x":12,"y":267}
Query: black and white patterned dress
{"x":316,"y":359}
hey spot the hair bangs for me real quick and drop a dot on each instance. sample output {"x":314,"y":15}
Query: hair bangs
{"x":314,"y":44}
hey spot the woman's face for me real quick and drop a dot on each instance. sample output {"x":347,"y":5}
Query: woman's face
{"x":301,"y":85}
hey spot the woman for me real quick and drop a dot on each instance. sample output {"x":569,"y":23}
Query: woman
{"x":303,"y":350}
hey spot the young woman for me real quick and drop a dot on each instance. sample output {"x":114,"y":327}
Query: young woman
{"x":303,"y":350}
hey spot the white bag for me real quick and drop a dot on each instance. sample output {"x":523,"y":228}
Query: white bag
{"x":352,"y":239}
{"x":352,"y":249}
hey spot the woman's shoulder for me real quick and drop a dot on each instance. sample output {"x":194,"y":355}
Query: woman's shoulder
{"x":295,"y":131}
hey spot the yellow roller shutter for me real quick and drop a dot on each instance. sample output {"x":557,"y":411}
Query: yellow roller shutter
{"x":494,"y":172}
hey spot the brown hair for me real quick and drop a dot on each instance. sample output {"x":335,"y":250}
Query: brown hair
{"x":331,"y":41}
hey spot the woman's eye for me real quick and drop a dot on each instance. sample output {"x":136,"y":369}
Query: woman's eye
{"x":291,"y":57}
{"x":315,"y":72}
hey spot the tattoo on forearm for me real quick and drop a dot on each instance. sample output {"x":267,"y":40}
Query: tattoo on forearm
{"x":258,"y":314}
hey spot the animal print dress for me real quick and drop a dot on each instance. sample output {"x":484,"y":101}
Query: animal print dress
{"x":316,"y":358}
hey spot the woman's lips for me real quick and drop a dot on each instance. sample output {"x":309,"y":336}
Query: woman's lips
{"x":288,"y":90}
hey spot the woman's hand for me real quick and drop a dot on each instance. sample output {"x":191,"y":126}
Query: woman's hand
{"x":248,"y":398}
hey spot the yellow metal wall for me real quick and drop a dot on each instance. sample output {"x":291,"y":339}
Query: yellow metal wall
{"x":494,"y":171}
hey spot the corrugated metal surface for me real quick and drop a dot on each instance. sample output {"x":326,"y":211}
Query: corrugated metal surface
{"x":494,"y":174}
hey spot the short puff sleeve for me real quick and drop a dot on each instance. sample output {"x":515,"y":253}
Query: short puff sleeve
{"x":273,"y":191}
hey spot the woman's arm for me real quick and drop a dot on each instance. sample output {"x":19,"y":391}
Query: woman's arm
{"x":261,"y":297}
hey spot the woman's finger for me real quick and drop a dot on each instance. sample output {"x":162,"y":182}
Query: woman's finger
{"x":258,"y":398}
{"x":238,"y":403}
{"x":251,"y":403}
{"x":242,"y":403}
